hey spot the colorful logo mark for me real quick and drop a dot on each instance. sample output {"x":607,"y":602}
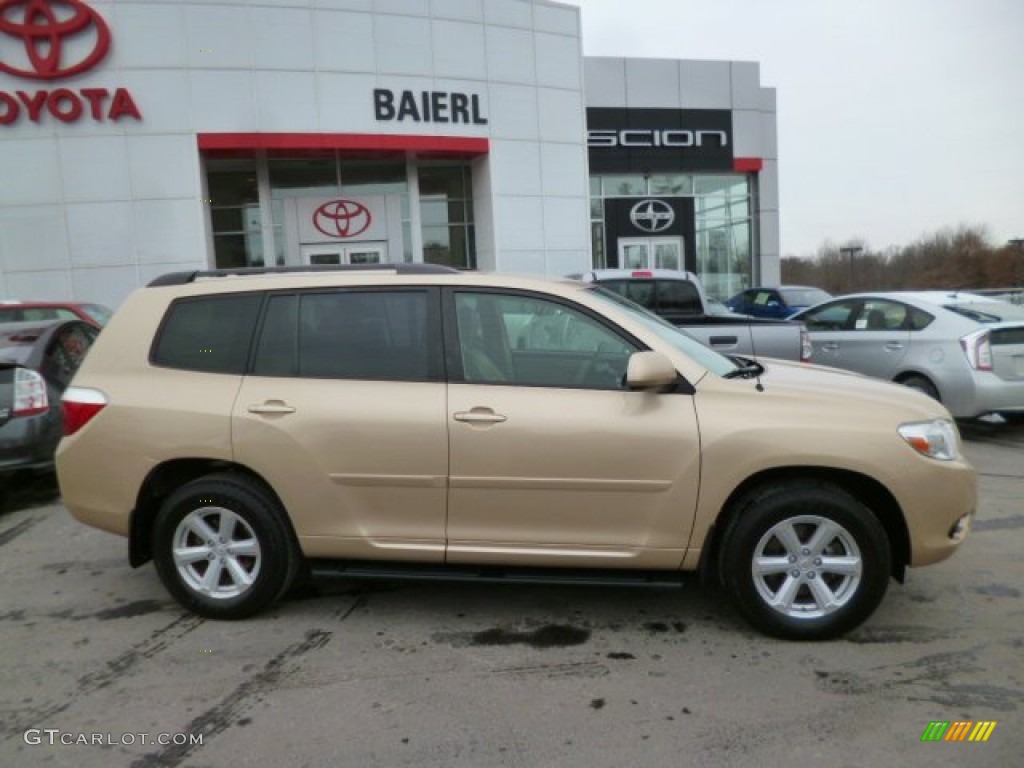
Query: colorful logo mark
{"x":960,"y":730}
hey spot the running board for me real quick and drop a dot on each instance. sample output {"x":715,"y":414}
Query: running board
{"x":387,"y":571}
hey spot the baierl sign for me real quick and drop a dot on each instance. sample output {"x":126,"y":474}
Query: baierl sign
{"x":48,"y":41}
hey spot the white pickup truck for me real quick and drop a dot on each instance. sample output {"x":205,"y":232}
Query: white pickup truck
{"x":679,"y":297}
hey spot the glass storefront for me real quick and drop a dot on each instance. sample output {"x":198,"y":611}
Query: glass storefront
{"x":724,"y":231}
{"x":245,"y":227}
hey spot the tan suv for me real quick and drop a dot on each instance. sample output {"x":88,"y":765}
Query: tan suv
{"x":243,"y":428}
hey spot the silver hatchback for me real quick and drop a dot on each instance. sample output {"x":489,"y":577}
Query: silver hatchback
{"x":962,"y":349}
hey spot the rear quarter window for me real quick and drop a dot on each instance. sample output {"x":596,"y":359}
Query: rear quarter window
{"x":210,"y":333}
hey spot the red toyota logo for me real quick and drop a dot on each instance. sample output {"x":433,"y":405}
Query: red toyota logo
{"x":44,"y":27}
{"x":342,"y":218}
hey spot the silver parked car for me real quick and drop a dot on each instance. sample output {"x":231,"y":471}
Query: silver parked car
{"x":962,"y":349}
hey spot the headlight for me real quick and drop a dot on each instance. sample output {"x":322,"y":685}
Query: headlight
{"x":936,"y":439}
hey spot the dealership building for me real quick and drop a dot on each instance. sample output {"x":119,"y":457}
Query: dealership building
{"x":142,"y":137}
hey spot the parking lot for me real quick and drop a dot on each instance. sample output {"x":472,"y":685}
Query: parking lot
{"x":99,"y":666}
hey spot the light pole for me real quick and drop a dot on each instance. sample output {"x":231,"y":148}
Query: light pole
{"x":850,"y":251}
{"x":1018,"y":243}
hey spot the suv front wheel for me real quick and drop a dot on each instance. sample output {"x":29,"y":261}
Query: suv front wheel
{"x":222,"y":548}
{"x":805,"y":561}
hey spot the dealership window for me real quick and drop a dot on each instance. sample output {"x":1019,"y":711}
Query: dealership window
{"x":446,"y":210}
{"x":235,"y":212}
{"x":723,"y":221}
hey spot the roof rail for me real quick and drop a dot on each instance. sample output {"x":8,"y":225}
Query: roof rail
{"x":183,"y":278}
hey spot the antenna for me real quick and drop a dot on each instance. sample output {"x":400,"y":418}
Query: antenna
{"x":753,"y":350}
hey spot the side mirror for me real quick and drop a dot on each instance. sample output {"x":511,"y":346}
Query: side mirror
{"x":650,"y":370}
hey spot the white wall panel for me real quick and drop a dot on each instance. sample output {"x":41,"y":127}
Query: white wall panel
{"x":100,"y":234}
{"x":560,"y":168}
{"x":223,"y":100}
{"x":51,"y":285}
{"x":510,"y":55}
{"x":652,"y":83}
{"x":346,"y":103}
{"x":559,"y":20}
{"x":705,"y":84}
{"x":558,"y":61}
{"x":151,"y":171}
{"x":94,"y":168}
{"x":167,"y":230}
{"x":564,"y":219}
{"x":156,"y":38}
{"x":409,"y":7}
{"x":34,"y":163}
{"x":286,"y":102}
{"x":403,"y":45}
{"x":219,"y":36}
{"x":164,"y":97}
{"x":515,"y":167}
{"x":104,"y":285}
{"x":513,"y":112}
{"x":284,"y":38}
{"x":520,"y":224}
{"x":459,"y":50}
{"x":509,"y":13}
{"x":344,"y":42}
{"x":562,"y":117}
{"x":463,"y":10}
{"x":33,"y":238}
{"x":605,"y":82}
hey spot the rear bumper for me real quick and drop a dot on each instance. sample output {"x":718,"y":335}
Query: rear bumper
{"x":27,"y":443}
{"x":995,"y":395}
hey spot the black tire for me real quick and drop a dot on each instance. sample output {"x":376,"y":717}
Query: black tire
{"x":922,"y":385}
{"x":851,"y":534}
{"x":254,"y":560}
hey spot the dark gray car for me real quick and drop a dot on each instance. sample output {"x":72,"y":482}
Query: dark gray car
{"x":37,"y":361}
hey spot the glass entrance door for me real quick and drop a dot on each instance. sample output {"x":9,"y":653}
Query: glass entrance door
{"x":650,"y":252}
{"x":355,"y":253}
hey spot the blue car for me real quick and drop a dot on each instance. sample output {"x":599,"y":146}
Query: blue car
{"x":781,"y":302}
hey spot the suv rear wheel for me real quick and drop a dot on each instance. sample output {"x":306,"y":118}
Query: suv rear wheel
{"x":805,"y":561}
{"x":222,"y":548}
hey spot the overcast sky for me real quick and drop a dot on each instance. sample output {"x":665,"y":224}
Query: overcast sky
{"x":897,"y":118}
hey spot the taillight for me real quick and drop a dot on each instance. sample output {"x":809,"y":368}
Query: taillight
{"x":30,"y":395}
{"x":977,"y":349}
{"x":80,"y":405}
{"x":806,"y":348}
{"x":642,"y":273}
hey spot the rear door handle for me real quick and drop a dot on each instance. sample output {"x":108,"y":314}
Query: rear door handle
{"x":480,"y":416}
{"x":894,"y":346}
{"x":271,"y":406}
{"x":830,"y":346}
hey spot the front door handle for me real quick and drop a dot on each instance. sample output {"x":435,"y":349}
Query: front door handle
{"x":894,"y":346}
{"x":480,"y":416}
{"x":271,"y":406}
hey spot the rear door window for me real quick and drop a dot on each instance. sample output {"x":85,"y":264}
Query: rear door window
{"x":352,"y":334}
{"x":210,"y":333}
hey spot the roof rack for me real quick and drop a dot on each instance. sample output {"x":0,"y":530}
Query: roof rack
{"x":183,"y":278}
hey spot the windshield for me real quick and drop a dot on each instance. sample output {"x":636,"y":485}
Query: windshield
{"x":679,"y":339}
{"x":98,"y":312}
{"x":804,"y":297}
